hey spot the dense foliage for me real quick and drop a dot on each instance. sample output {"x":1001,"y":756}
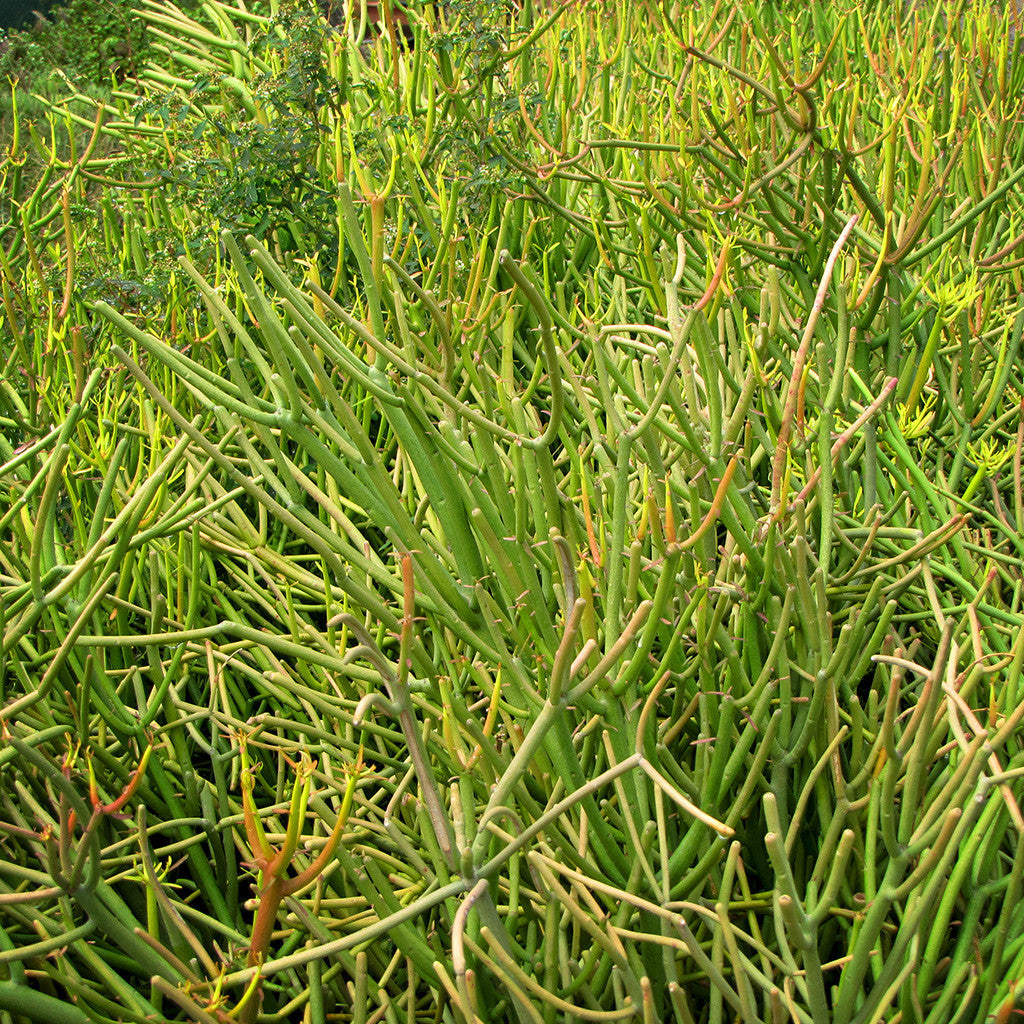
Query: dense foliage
{"x":88,"y":41}
{"x":523,"y":527}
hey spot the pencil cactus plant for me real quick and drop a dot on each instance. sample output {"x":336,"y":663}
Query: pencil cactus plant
{"x":584,"y":584}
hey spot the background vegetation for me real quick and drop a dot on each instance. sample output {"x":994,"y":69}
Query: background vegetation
{"x":87,"y":42}
{"x":521,"y":527}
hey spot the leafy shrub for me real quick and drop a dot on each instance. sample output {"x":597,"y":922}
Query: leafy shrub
{"x":89,"y":42}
